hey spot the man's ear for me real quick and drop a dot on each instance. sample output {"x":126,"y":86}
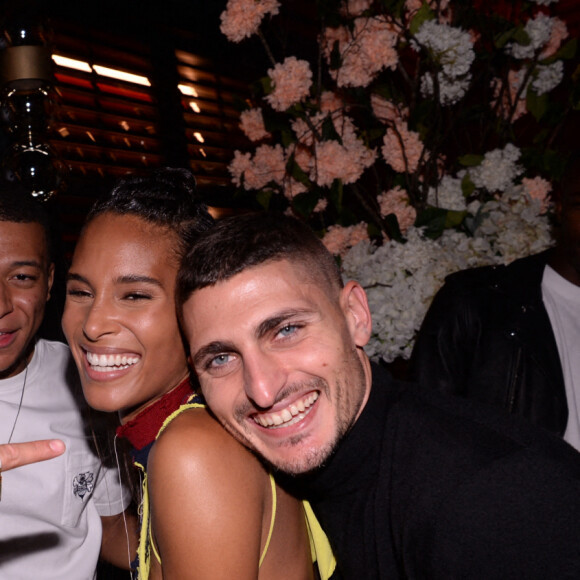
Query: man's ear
{"x":355,"y":307}
{"x":50,"y":280}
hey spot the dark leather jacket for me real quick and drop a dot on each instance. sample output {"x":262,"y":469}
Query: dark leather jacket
{"x":487,"y":336}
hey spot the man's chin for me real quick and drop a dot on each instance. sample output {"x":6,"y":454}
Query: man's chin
{"x":298,"y":461}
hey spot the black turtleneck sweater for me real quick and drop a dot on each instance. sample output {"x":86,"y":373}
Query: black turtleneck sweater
{"x":434,"y":487}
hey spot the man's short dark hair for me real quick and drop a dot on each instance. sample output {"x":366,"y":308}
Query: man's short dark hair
{"x":240,"y":242}
{"x":18,"y":206}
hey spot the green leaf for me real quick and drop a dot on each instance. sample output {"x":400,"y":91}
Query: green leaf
{"x":287,"y":138}
{"x":266,"y":83}
{"x":454,"y":218}
{"x":263,"y":197}
{"x":568,"y":50}
{"x":433,"y":219}
{"x":335,"y":57}
{"x":521,"y":36}
{"x":329,"y":132}
{"x":423,"y":14}
{"x":392,"y":226}
{"x":471,"y":223}
{"x":304,"y":203}
{"x":336,"y":194}
{"x":293,"y":169}
{"x":467,"y":186}
{"x":470,"y":160}
{"x":537,"y":105}
{"x":501,"y":40}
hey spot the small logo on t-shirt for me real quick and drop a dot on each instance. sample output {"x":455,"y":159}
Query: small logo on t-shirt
{"x":83,"y":484}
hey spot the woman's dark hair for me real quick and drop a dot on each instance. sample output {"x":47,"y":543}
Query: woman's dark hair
{"x":165,"y":197}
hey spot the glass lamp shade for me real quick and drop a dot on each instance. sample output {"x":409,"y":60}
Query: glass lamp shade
{"x":27,"y":110}
{"x":36,"y":167}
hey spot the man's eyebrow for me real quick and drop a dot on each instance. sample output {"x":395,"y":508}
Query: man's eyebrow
{"x":211,"y":349}
{"x":32,"y":263}
{"x":274,"y":321}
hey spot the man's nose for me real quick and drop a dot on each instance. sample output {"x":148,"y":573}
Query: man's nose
{"x":264,"y":378}
{"x":5,"y":300}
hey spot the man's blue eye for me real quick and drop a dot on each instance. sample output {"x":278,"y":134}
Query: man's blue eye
{"x":220,"y":360}
{"x":287,"y":330}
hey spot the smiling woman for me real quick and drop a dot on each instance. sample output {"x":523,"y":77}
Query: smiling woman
{"x":209,"y":508}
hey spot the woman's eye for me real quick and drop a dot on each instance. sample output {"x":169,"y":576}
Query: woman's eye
{"x":77,"y":293}
{"x":137,"y":296}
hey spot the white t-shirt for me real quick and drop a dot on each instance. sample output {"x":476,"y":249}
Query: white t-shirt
{"x":50,"y":525}
{"x":562,"y":301}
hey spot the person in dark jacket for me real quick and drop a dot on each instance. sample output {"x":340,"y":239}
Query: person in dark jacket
{"x":406,"y":482}
{"x":506,"y":335}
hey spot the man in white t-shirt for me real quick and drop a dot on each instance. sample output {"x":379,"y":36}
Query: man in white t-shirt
{"x":57,"y":516}
{"x":509,"y":335}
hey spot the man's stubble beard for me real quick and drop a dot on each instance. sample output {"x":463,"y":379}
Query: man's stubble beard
{"x":310,"y":459}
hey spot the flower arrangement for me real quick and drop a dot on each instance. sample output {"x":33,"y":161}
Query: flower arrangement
{"x":417,"y":139}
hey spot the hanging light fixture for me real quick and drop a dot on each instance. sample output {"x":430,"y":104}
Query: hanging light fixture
{"x":27,"y":102}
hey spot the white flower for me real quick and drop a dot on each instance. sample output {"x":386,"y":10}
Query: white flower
{"x":402,"y":279}
{"x":451,"y":89}
{"x":498,"y":170}
{"x":538,"y":31}
{"x":448,"y":194}
{"x":549,"y":77}
{"x":451,"y":47}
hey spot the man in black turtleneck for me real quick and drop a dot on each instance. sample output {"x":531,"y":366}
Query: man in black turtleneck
{"x":407,"y":483}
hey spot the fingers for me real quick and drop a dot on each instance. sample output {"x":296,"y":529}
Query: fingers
{"x":16,"y":454}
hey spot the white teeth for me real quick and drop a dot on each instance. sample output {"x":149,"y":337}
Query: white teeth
{"x":107,"y":362}
{"x":292,"y":414}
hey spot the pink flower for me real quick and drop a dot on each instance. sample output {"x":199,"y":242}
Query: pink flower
{"x":397,"y":201}
{"x":355,"y":7}
{"x":558,"y":33}
{"x":365,"y":51}
{"x":538,"y":188}
{"x":291,"y":81}
{"x":515,"y":79}
{"x":269,"y":165}
{"x":252,"y":124}
{"x":387,"y":110}
{"x":241,"y":18}
{"x":239,"y":165}
{"x":402,"y":148}
{"x":321,"y":205}
{"x":303,"y":130}
{"x":330,"y":102}
{"x":291,"y":187}
{"x":339,"y":239}
{"x":413,"y":6}
{"x":346,"y":161}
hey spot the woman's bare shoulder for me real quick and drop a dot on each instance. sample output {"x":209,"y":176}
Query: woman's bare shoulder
{"x":196,"y":441}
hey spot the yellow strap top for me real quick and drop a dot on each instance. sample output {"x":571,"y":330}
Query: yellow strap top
{"x":319,"y":544}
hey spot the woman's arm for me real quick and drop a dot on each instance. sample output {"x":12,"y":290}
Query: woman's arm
{"x":208,"y":500}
